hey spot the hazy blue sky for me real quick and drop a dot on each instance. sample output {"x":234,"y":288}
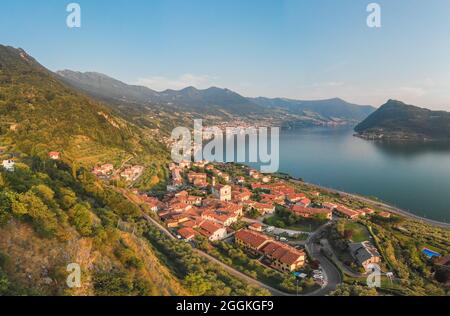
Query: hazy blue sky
{"x":306,"y":49}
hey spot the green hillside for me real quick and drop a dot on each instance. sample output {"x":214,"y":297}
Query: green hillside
{"x":54,"y":213}
{"x":38,"y":113}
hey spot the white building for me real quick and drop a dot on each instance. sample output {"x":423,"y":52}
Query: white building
{"x":8,"y":165}
{"x":222,"y":192}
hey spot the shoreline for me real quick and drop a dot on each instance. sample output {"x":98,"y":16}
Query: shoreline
{"x":387,"y":207}
{"x":400,"y":139}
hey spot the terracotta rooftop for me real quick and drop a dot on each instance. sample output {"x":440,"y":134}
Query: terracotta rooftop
{"x":187,"y":232}
{"x":282,"y":252}
{"x":253,"y":239}
{"x":210,"y":227}
{"x":308,"y":210}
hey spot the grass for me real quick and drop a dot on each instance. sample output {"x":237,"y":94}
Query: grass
{"x":304,"y":225}
{"x":359,"y":231}
{"x":88,"y":153}
{"x":385,"y":282}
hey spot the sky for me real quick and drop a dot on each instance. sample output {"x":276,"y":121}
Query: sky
{"x":302,"y":49}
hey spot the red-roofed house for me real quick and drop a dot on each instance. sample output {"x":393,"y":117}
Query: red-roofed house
{"x":103,"y":170}
{"x":330,"y":206}
{"x":198,"y":179}
{"x":284,"y":257}
{"x":346,"y":212}
{"x":242,"y":196}
{"x":223,"y":218}
{"x":308,"y":212}
{"x":179,"y":207}
{"x":257,"y":227}
{"x":250,"y":240}
{"x":212,"y":231}
{"x":264,"y":208}
{"x":54,"y":155}
{"x":296,"y":197}
{"x":304,"y":202}
{"x":187,"y":233}
{"x":151,"y":202}
{"x":194,"y":200}
{"x":367,"y":211}
{"x":385,"y":214}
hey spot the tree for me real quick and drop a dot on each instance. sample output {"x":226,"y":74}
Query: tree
{"x":4,"y":283}
{"x":81,"y":218}
{"x":197,"y":284}
{"x":2,"y":181}
{"x":44,"y":192}
{"x":68,"y":198}
{"x":31,"y":206}
{"x":354,"y":290}
{"x":5,"y":209}
{"x":348,"y":234}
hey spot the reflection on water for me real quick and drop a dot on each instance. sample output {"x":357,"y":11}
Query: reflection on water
{"x":398,"y":148}
{"x":413,"y":176}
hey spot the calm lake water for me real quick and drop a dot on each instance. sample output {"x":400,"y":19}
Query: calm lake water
{"x":414,"y":177}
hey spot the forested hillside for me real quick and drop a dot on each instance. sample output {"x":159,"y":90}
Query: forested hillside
{"x":38,"y":113}
{"x":56,"y":212}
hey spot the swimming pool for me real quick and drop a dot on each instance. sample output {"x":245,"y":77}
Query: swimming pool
{"x":430,"y":253}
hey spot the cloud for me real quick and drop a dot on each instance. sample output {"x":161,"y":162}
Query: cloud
{"x":160,"y":83}
{"x":412,"y":91}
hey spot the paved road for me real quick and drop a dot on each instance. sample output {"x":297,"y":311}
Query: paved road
{"x":332,"y":274}
{"x":326,"y":244}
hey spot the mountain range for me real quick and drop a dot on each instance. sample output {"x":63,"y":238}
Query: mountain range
{"x":56,"y":212}
{"x":399,"y":121}
{"x":219,"y":102}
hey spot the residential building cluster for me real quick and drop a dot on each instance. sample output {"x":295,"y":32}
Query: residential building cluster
{"x":346,"y":212}
{"x":203,"y":200}
{"x":103,"y":170}
{"x":132,"y":173}
{"x":279,"y":255}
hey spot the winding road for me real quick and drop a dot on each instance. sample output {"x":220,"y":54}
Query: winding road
{"x":332,"y":273}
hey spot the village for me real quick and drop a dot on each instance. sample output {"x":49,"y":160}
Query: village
{"x":236,"y":205}
{"x":204,"y":202}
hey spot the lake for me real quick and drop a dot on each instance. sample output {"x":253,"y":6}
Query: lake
{"x":414,"y":177}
